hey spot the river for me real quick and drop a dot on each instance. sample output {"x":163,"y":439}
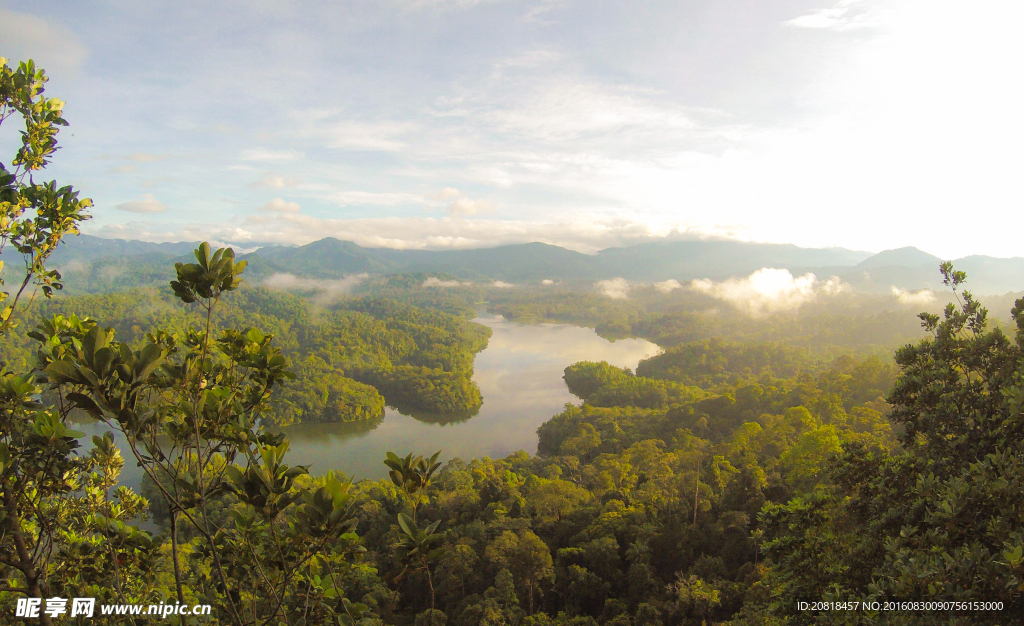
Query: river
{"x":520,"y":377}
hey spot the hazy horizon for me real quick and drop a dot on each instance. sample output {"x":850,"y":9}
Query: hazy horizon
{"x":252,"y":246}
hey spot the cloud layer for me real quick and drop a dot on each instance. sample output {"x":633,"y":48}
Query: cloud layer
{"x":327,"y":290}
{"x":433,"y":281}
{"x":614,"y":288}
{"x":668,"y":286}
{"x":918,"y":298}
{"x":148,"y":204}
{"x":769,"y":290}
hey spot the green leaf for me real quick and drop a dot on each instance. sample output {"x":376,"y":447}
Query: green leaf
{"x":406,"y":524}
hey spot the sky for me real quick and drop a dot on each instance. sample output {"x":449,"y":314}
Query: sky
{"x":865,"y":124}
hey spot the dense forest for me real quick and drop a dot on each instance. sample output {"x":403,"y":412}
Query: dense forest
{"x":348,"y":359}
{"x":755,"y":464}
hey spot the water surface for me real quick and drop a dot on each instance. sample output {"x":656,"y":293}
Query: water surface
{"x":520,"y":377}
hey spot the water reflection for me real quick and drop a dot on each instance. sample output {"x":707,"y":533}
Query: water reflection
{"x":520,"y":376}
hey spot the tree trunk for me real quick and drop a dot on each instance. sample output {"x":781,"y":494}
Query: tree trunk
{"x":696,"y":493}
{"x":27,"y":567}
{"x":174,"y":555}
{"x":430,"y":581}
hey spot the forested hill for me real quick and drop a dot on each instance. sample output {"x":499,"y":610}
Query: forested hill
{"x":95,"y":265}
{"x":348,"y":359}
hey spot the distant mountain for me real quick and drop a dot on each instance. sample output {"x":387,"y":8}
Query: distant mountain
{"x":901,"y":257}
{"x":910,"y":268}
{"x":94,"y":264}
{"x":333,"y":258}
{"x":326,"y":258}
{"x":517,"y":262}
{"x":986,"y":274}
{"x":87,"y":247}
{"x":686,"y":260}
{"x":682,"y":260}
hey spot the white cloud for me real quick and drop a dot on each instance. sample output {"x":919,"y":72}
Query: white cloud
{"x":448,"y":193}
{"x":216,"y":243}
{"x":148,"y":204}
{"x":768,"y":290}
{"x":328,"y":290}
{"x":53,"y":47}
{"x":443,"y":5}
{"x":465,"y":206}
{"x":379,"y":136}
{"x":279,"y":205}
{"x":547,"y":281}
{"x":462,"y":205}
{"x":614,"y":288}
{"x":501,"y":284}
{"x":668,"y":285}
{"x":274,"y":181}
{"x":263,"y":154}
{"x":843,"y":16}
{"x":350,"y":198}
{"x":834,"y":286}
{"x":919,"y":298}
{"x":433,"y":281}
{"x":145,"y":157}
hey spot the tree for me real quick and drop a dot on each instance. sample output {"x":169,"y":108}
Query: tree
{"x":418,"y":548}
{"x":412,"y":475}
{"x":59,"y":528}
{"x":34,"y":217}
{"x":190,"y":410}
{"x":525,"y":555}
{"x":941,"y":519}
{"x":694,"y":595}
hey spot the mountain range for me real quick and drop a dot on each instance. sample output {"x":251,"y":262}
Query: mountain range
{"x":109,"y":260}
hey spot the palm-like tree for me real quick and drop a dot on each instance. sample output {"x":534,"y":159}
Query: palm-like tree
{"x":418,"y":548}
{"x":412,"y":475}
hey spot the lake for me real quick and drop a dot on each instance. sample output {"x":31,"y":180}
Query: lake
{"x":520,"y":377}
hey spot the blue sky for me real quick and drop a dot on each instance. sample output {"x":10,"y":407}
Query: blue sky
{"x":867,"y":124}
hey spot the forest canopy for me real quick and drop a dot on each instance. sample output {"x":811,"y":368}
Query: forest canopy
{"x":349,"y":359}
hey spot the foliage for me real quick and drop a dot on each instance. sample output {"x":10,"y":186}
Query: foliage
{"x":938,"y":519}
{"x":34,"y":217}
{"x":348,"y":361}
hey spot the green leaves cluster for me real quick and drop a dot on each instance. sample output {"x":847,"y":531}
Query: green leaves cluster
{"x":34,"y":217}
{"x":210,"y":277}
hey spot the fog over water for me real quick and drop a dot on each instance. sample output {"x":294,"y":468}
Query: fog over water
{"x":520,"y":377}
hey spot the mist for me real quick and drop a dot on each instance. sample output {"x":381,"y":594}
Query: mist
{"x":769,"y":290}
{"x":328,"y":290}
{"x":614,"y":288}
